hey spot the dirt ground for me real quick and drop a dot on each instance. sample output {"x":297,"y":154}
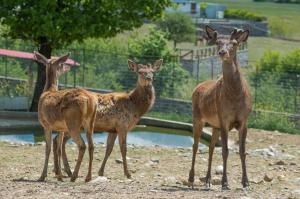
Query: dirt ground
{"x":273,"y":165}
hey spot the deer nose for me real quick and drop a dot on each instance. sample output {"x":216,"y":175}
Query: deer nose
{"x":222,"y":52}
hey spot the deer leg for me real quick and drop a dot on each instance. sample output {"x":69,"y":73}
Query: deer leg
{"x":214,"y":139}
{"x":224,"y":137}
{"x":55,"y":154}
{"x":123,"y":146}
{"x":75,"y":134}
{"x":89,"y":137}
{"x":197,"y":130}
{"x":64,"y":156}
{"x":48,"y":134}
{"x":58,"y":151}
{"x":242,"y":142}
{"x":109,"y":147}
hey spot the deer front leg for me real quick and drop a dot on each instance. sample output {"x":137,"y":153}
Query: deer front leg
{"x":109,"y":147}
{"x":123,"y":146}
{"x":197,"y":130}
{"x":64,"y":156}
{"x":214,"y":139}
{"x":224,"y":137}
{"x":242,"y":143}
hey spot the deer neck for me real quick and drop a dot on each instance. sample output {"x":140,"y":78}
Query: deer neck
{"x":143,"y":98}
{"x":232,"y":76}
{"x":51,"y":81}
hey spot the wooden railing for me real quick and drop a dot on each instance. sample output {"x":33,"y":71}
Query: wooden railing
{"x":205,"y":52}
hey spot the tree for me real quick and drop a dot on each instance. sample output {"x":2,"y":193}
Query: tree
{"x":180,"y":27}
{"x":53,"y":24}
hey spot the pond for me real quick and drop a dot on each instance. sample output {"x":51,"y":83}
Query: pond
{"x":140,"y":136}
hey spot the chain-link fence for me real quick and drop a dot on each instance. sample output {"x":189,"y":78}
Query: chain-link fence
{"x":276,"y":97}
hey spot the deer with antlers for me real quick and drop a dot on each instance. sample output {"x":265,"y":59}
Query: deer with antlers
{"x":118,"y":113}
{"x":65,"y":111}
{"x":224,"y":104}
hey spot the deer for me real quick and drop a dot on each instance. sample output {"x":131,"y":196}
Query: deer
{"x":118,"y":113}
{"x":224,"y":104}
{"x":65,"y":111}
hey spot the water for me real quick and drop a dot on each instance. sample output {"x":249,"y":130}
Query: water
{"x":140,"y":136}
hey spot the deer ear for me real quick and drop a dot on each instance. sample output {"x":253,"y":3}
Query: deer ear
{"x":235,"y":33}
{"x":62,"y":68}
{"x":132,"y":65}
{"x":212,"y":35}
{"x":62,"y":59}
{"x":243,"y":36}
{"x":157,"y":64}
{"x":40,"y":58}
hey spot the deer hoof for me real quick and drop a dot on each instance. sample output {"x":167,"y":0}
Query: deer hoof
{"x":225,"y":187}
{"x":128,"y":175}
{"x":87,"y":179}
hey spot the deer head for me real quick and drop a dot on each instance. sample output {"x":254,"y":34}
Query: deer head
{"x":145,"y":72}
{"x":54,"y":67}
{"x":226,"y":46}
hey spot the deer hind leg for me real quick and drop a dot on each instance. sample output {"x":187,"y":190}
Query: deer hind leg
{"x":55,"y":140}
{"x":109,"y":147}
{"x":242,"y":142}
{"x":64,"y":156}
{"x":213,"y":141}
{"x":224,"y":138}
{"x":197,"y":130}
{"x":48,"y":138}
{"x":59,"y":140}
{"x":123,"y":146}
{"x":89,"y":137}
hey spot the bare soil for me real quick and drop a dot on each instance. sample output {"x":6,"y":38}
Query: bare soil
{"x":158,"y":172}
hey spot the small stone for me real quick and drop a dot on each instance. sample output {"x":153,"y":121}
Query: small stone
{"x":155,"y":160}
{"x":119,"y":161}
{"x":268,"y":178}
{"x":216,"y":181}
{"x":281,"y":177}
{"x":219,"y":170}
{"x":280,"y":162}
{"x":99,"y":179}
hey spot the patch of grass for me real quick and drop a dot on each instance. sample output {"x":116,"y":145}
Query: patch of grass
{"x":287,"y":13}
{"x":258,"y":45}
{"x":170,"y":116}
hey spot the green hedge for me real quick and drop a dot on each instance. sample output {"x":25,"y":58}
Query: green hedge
{"x":243,"y":14}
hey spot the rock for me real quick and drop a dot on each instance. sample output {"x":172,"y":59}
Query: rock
{"x":119,"y":161}
{"x":257,"y":181}
{"x":268,"y":178}
{"x":99,"y":179}
{"x":281,"y":178}
{"x":280,"y":162}
{"x":186,"y":183}
{"x":219,"y":170}
{"x":171,"y":180}
{"x":216,"y":181}
{"x":155,"y":160}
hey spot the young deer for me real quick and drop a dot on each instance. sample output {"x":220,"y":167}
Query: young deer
{"x":65,"y":111}
{"x":118,"y":113}
{"x":224,"y":104}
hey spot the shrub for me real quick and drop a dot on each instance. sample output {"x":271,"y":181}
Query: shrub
{"x":243,"y":14}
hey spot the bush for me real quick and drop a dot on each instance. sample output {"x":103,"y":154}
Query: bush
{"x":280,"y":28}
{"x":243,"y":14}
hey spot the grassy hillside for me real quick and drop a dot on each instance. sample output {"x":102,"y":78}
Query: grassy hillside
{"x":284,"y":16}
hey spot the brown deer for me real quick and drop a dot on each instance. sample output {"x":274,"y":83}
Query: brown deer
{"x":224,"y":104}
{"x":118,"y":113}
{"x":65,"y":111}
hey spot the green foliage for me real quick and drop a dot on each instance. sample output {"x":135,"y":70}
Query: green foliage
{"x":270,"y":61}
{"x":243,"y":14}
{"x":179,"y":26}
{"x":280,"y":28}
{"x":62,"y":22}
{"x":152,"y":47}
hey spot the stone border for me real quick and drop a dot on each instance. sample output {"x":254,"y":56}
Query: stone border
{"x":29,"y":120}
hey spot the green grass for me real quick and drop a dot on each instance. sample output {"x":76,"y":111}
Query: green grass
{"x":257,"y":46}
{"x":275,"y":12}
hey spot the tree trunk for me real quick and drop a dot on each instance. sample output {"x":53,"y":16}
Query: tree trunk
{"x":174,"y":43}
{"x":45,"y":49}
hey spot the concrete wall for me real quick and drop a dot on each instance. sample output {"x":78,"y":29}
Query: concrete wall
{"x":13,"y":103}
{"x":225,"y":26}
